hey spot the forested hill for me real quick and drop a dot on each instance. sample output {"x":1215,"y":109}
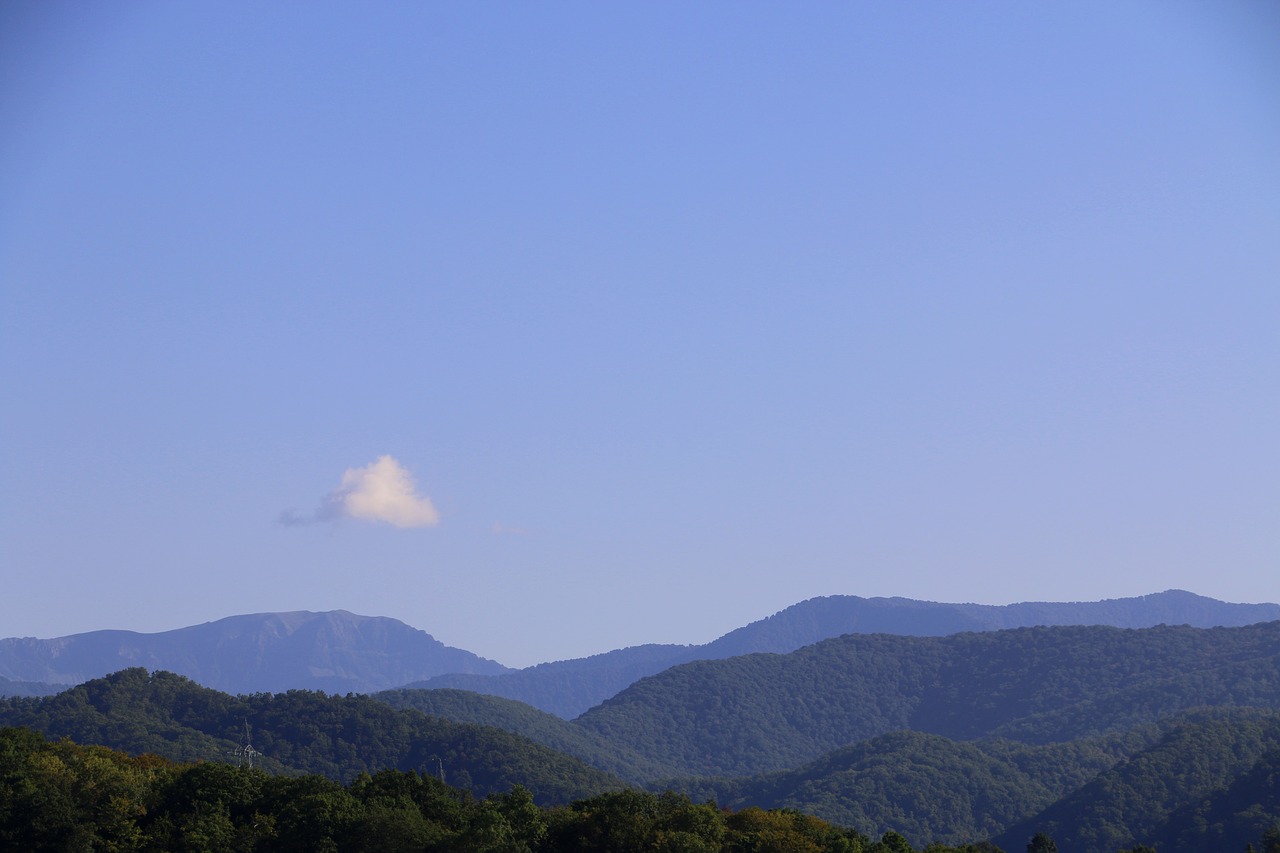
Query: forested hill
{"x":547,"y":729}
{"x":335,"y":651}
{"x":300,"y":731}
{"x":1222,"y":768}
{"x":1196,"y":781}
{"x":768,"y":712}
{"x":568,"y":688}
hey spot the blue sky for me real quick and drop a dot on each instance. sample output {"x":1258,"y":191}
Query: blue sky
{"x":553,"y":328}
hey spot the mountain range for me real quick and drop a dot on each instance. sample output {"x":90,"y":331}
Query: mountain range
{"x":1103,"y":738}
{"x":343,"y":652}
{"x":568,"y":688}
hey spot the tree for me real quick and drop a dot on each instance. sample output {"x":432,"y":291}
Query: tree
{"x":1041,"y":843}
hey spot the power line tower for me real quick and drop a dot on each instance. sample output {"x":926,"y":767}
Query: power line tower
{"x":245,"y":753}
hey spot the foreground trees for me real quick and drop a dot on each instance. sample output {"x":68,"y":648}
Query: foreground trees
{"x":65,"y":797}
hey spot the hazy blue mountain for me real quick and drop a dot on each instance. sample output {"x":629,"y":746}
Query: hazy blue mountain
{"x":28,"y":688}
{"x":342,"y":652}
{"x":569,"y":688}
{"x":335,"y":651}
{"x":831,"y":616}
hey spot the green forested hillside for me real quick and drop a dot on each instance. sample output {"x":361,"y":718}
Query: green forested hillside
{"x":300,"y":731}
{"x":60,"y":796}
{"x":1229,"y":818}
{"x":931,"y":788}
{"x":761,"y":713}
{"x":539,"y":726}
{"x":1214,"y":757}
{"x":57,"y":797}
{"x":925,"y":786}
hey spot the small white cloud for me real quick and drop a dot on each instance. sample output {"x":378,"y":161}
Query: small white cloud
{"x":381,"y":491}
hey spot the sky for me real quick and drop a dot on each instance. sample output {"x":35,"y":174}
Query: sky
{"x":555,"y":328}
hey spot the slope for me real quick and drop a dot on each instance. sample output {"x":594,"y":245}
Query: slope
{"x":766,"y":712}
{"x":462,"y":706}
{"x":300,"y":731}
{"x":1196,"y":767}
{"x":1086,"y":794}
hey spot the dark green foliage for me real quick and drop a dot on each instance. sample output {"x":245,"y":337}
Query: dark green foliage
{"x":931,"y":789}
{"x":539,"y":726}
{"x":1154,"y":797}
{"x":764,"y":712}
{"x":925,"y":787}
{"x":1041,"y":843}
{"x":300,"y":731}
{"x":64,"y":797}
{"x":1243,"y":812}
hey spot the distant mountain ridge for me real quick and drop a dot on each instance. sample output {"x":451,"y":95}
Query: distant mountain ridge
{"x":337,"y":651}
{"x":831,"y":616}
{"x":569,"y":688}
{"x":343,"y":652}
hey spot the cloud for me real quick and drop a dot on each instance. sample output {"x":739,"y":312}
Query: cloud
{"x":383,"y":490}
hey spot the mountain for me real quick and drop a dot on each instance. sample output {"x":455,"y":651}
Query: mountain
{"x":768,"y":712}
{"x":1230,"y":817}
{"x":1194,"y":770}
{"x":1178,"y":785}
{"x":462,"y":706}
{"x":341,"y":652}
{"x":926,"y":787}
{"x":28,"y":688}
{"x":831,"y":616}
{"x":300,"y":732}
{"x":569,"y":688}
{"x":336,"y":651}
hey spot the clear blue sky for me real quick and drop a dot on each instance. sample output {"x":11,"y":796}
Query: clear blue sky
{"x":668,"y":315}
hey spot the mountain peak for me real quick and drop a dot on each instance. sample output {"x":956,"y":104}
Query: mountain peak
{"x":334,"y":650}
